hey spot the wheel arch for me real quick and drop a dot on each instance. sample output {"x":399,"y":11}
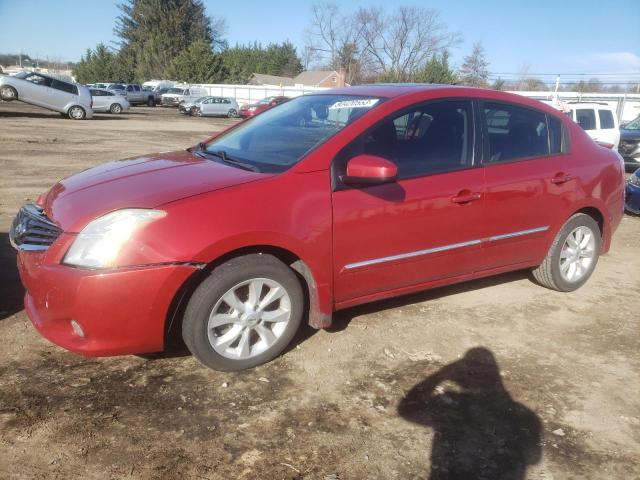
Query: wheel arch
{"x":316,"y":317}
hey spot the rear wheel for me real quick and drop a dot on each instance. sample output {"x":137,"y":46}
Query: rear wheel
{"x":232,"y":113}
{"x":8,"y":93}
{"x":573,"y":255}
{"x":76,"y":113}
{"x":151,"y":102}
{"x":116,"y":108}
{"x":244,"y":314}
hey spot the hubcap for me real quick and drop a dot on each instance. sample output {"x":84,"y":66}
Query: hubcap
{"x":577,"y":254}
{"x":249,"y":318}
{"x":7,"y":92}
{"x":76,"y":112}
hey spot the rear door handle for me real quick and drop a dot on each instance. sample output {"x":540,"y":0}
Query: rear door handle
{"x":465,"y":197}
{"x":561,"y":178}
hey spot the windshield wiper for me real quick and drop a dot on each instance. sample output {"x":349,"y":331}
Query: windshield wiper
{"x":232,"y":161}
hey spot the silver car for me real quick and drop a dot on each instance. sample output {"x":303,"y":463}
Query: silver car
{"x":36,"y":88}
{"x":218,"y":106}
{"x":108,"y":101}
{"x":188,"y":107}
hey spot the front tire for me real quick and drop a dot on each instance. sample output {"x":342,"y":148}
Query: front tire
{"x":244,"y":314}
{"x":116,"y":108}
{"x":8,"y":93}
{"x":232,"y":113}
{"x":573,"y":255}
{"x":76,"y":113}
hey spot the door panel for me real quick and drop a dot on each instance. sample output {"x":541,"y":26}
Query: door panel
{"x":429,"y":224}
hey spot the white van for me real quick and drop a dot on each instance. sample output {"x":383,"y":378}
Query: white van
{"x":184,"y":93}
{"x":597,"y":119}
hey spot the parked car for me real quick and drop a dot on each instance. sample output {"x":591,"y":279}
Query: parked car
{"x":157,"y":92}
{"x":120,"y":88}
{"x":108,"y":101}
{"x":178,"y":94}
{"x":137,"y":96}
{"x":331,"y":200}
{"x":630,"y":143}
{"x":67,"y":98}
{"x":189,"y":107}
{"x":598,"y":120}
{"x":261,"y":106}
{"x":632,"y":193}
{"x":217,"y":106}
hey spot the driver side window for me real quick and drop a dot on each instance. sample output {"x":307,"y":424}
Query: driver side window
{"x":428,"y":139}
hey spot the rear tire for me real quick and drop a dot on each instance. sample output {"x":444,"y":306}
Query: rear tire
{"x":76,"y":113}
{"x":151,"y":102}
{"x":570,"y":263}
{"x":8,"y":93}
{"x":233,"y":113}
{"x":265,"y":321}
{"x":115,"y":108}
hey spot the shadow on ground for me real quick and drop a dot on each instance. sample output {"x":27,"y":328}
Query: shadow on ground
{"x":11,"y":291}
{"x":480,"y":432}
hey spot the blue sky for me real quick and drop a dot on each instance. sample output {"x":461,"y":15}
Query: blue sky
{"x":550,"y":36}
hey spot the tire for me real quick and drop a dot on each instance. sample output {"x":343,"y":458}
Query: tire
{"x":151,"y":102}
{"x":8,"y":93}
{"x":115,"y":108}
{"x":196,"y":112}
{"x":76,"y":112}
{"x":555,"y":270}
{"x":232,"y":113}
{"x":244,"y":325}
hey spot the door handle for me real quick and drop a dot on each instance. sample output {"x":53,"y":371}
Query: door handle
{"x":561,"y":178}
{"x":465,"y":197}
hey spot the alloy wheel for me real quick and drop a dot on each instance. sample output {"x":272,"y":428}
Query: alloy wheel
{"x":577,"y":254}
{"x":249,"y":318}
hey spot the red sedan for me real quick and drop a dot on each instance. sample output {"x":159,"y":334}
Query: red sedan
{"x":329,"y":201}
{"x":249,"y":110}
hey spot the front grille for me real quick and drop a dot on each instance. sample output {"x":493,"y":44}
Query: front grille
{"x":169,"y":100}
{"x":628,"y":146}
{"x":31,"y":230}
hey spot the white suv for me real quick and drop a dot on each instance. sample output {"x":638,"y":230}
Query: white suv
{"x":597,"y":119}
{"x":36,"y":88}
{"x":178,"y":94}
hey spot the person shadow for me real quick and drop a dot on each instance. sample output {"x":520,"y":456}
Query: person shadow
{"x":480,"y":432}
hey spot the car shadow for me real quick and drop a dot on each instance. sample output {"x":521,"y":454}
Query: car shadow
{"x":11,"y":291}
{"x":479,"y":431}
{"x":342,"y":318}
{"x":57,"y":116}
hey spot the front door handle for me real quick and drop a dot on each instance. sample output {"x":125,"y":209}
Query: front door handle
{"x":561,"y":178}
{"x":466,"y":196}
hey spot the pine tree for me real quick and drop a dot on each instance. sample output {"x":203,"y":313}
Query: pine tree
{"x":198,"y":64}
{"x":475,"y":69}
{"x":436,"y":70}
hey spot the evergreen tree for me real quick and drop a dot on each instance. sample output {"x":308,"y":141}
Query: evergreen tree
{"x":475,"y":69}
{"x":436,"y":70}
{"x":198,"y":64}
{"x":97,"y":65}
{"x":154,"y":32}
{"x":276,"y":59}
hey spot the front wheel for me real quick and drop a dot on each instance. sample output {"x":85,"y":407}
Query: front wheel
{"x":232,"y":113}
{"x":8,"y":93}
{"x":573,"y":255}
{"x":244,"y":314}
{"x":76,"y":113}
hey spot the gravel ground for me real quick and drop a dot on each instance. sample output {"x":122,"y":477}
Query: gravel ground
{"x":498,"y":375}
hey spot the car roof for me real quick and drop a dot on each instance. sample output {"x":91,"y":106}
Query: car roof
{"x":601,"y":106}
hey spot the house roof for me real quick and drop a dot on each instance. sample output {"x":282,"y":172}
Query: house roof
{"x":313,"y":77}
{"x":264,"y":79}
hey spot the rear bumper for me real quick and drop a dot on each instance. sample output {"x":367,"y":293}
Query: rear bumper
{"x":120,"y":311}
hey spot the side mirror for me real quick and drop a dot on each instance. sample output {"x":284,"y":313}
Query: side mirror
{"x":370,"y":170}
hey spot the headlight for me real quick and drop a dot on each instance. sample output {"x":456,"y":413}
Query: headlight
{"x":634,"y":180}
{"x":98,"y":244}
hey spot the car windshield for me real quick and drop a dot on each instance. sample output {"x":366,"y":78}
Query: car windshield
{"x":176,"y":90}
{"x":201,"y":99}
{"x":633,"y":124}
{"x":22,"y":74}
{"x":280,"y":137}
{"x":264,"y":101}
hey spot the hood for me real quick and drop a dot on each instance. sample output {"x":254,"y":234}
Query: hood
{"x":142,"y":182}
{"x":629,"y":134}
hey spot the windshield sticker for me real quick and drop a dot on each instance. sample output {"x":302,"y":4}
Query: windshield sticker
{"x":364,"y":103}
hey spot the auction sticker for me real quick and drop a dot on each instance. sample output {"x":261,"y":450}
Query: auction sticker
{"x":361,"y":103}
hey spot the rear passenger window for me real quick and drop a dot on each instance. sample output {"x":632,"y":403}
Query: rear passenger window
{"x":555,"y":135}
{"x":606,"y":119}
{"x":586,"y":118}
{"x":433,"y":138}
{"x":515,"y":132}
{"x":65,"y":87}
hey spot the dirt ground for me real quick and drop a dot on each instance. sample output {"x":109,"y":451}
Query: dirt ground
{"x":529,"y":383}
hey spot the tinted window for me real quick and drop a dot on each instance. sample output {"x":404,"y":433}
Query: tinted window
{"x":432,"y":138}
{"x":586,"y":118}
{"x":136,"y":88}
{"x":96,"y":93}
{"x":38,"y":80}
{"x":606,"y":119}
{"x":186,"y":92}
{"x":515,"y":132}
{"x":555,"y":134}
{"x":65,"y":87}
